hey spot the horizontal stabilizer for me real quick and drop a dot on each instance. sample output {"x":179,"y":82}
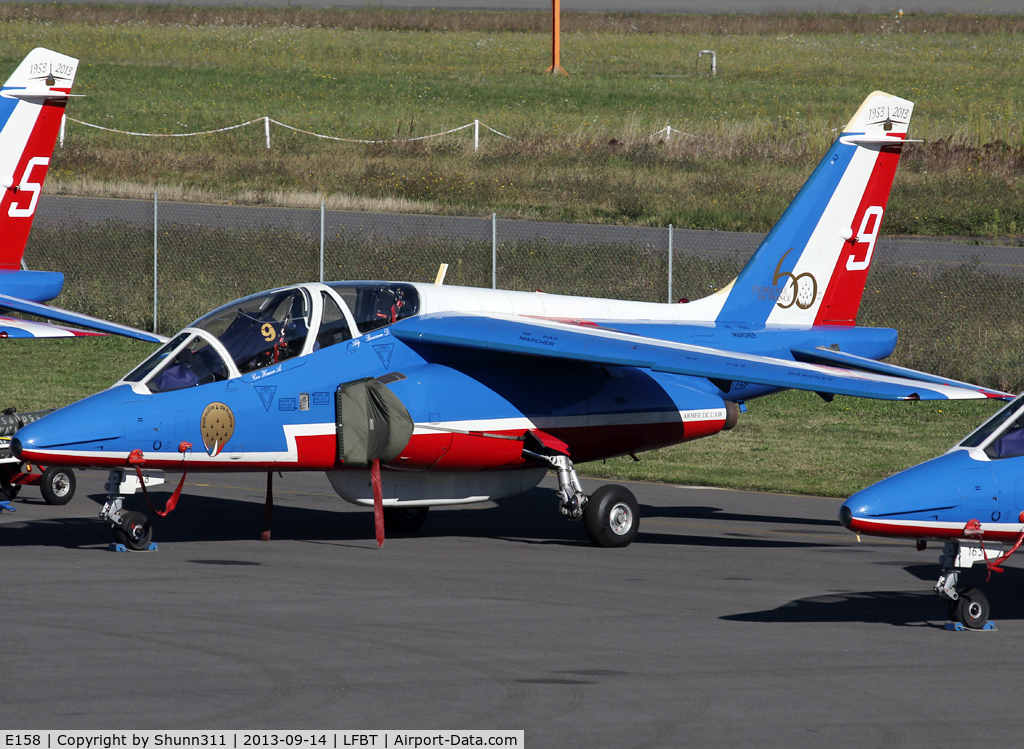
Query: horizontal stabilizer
{"x":76,"y":318}
{"x":40,"y":93}
{"x":828,"y":356}
{"x":12,"y":327}
{"x":545,"y":338}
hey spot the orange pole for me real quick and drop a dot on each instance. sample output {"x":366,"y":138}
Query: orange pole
{"x":556,"y":32}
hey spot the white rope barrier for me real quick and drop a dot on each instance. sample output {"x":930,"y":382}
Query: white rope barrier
{"x":167,"y":135}
{"x":392,"y":140}
{"x":475,"y":124}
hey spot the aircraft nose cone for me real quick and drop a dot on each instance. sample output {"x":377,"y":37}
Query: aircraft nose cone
{"x":95,"y":419}
{"x":864,"y":503}
{"x":845,"y":515}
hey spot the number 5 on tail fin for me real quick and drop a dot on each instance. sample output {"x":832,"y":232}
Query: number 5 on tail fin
{"x":32,"y":104}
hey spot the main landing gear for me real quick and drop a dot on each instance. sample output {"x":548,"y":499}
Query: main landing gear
{"x":611,"y":516}
{"x":966,"y":606}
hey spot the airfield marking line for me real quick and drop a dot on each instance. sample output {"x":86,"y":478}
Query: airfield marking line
{"x":757,"y":530}
{"x":709,"y":488}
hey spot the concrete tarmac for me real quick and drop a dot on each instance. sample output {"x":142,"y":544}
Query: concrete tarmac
{"x":735,"y":619}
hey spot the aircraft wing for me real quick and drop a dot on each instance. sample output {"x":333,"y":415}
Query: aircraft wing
{"x":64,"y":316}
{"x":538,"y":337}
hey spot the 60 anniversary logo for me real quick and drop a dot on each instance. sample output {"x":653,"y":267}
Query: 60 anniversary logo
{"x":800,"y":295}
{"x":802,"y":292}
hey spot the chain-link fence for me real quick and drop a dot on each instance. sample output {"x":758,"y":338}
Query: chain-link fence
{"x":960,"y":313}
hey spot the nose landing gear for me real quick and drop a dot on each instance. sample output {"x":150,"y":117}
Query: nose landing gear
{"x":132,"y":530}
{"x":968,"y":607}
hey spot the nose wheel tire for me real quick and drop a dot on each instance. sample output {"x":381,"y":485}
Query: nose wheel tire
{"x":57,"y":485}
{"x":612,"y":516}
{"x":972,"y":608}
{"x":135,"y":531}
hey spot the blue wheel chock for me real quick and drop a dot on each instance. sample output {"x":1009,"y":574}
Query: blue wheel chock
{"x":5,"y":505}
{"x":958,"y":627}
{"x":121,"y":547}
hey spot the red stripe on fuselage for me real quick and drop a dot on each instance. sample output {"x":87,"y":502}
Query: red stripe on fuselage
{"x":910,"y":529}
{"x":441,"y":451}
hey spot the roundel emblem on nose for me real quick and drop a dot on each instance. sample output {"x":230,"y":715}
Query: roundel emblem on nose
{"x":216,"y":426}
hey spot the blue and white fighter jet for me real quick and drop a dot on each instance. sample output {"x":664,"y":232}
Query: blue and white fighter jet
{"x":410,"y":395}
{"x":971,"y":499}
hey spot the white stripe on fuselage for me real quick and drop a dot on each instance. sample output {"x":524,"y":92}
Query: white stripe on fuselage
{"x":235,"y":452}
{"x":942,"y":525}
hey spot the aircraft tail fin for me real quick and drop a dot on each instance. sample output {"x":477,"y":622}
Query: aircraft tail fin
{"x":812,"y":266}
{"x":32,"y":104}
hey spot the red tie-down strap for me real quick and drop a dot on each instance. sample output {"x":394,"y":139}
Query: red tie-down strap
{"x":137,"y":459}
{"x":378,"y":501}
{"x":973,"y":530}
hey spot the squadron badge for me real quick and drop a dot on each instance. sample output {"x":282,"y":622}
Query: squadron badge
{"x":216,"y":426}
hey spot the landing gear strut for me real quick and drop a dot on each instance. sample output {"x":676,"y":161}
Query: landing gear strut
{"x":968,"y":606}
{"x":611,"y":516}
{"x":131,"y":529}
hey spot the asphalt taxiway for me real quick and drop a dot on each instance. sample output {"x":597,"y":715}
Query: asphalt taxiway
{"x":735,"y":619}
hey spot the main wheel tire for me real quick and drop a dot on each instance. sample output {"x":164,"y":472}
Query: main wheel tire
{"x":612,"y":516}
{"x":58,"y":485}
{"x":135,"y":531}
{"x":972,"y":608}
{"x":404,"y":519}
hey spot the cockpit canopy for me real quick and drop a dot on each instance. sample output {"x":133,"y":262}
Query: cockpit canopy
{"x":1002,"y":436}
{"x":271,"y":327}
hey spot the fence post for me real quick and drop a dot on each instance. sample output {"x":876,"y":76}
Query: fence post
{"x":494,"y":250}
{"x":476,"y":135}
{"x":321,"y":241}
{"x":155,"y":244}
{"x":266,"y":129}
{"x":670,"y":263}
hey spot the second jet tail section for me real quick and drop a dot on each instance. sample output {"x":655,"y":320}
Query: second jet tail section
{"x":32,"y":105}
{"x":812,"y":266}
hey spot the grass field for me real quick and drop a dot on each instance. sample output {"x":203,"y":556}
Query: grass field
{"x":581,"y":147}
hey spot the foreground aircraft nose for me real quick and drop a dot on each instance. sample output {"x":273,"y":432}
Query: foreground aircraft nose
{"x":95,"y":419}
{"x":912,"y":501}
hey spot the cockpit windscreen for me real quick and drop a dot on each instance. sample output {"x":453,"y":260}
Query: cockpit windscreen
{"x":261,"y":330}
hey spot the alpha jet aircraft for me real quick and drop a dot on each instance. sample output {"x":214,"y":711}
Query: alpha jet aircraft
{"x":966,"y":498}
{"x":411,"y":395}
